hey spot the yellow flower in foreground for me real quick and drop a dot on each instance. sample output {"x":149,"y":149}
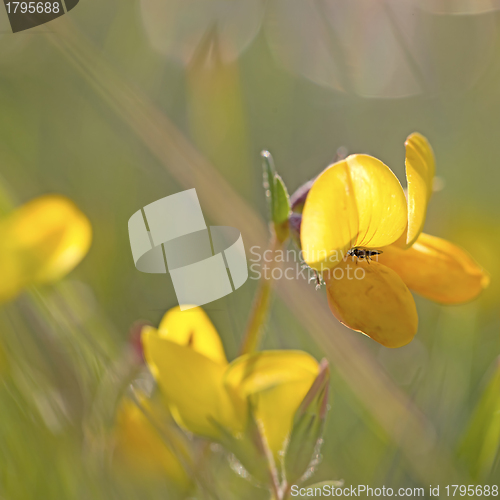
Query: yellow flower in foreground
{"x":40,"y":242}
{"x":359,"y":202}
{"x":206,"y":393}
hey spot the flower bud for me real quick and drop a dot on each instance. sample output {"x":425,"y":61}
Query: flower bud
{"x":294,"y":223}
{"x":298,"y":198}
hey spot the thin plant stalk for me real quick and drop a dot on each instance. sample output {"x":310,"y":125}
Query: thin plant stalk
{"x":260,"y":307}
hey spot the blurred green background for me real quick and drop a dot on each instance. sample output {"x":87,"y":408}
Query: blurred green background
{"x":120,"y":103}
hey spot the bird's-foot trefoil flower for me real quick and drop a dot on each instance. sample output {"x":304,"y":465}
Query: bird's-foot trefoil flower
{"x":359,"y":203}
{"x":40,"y":242}
{"x":257,"y":393}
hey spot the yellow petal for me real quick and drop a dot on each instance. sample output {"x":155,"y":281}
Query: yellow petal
{"x":355,"y":202}
{"x":140,"y":448}
{"x":194,"y":328}
{"x":41,"y":242}
{"x":420,"y":171}
{"x":277,"y":382}
{"x":372,"y":299}
{"x":192,"y":385}
{"x":259,"y":371}
{"x":437,"y":269}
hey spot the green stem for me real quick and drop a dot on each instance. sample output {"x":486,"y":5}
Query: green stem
{"x":260,"y":308}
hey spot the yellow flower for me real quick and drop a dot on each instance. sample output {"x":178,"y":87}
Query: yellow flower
{"x":139,"y":447}
{"x":359,"y":202}
{"x":40,"y":242}
{"x":205,"y":393}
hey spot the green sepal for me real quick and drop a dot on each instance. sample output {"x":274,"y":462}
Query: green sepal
{"x":277,"y":196}
{"x":250,"y":449}
{"x":308,"y":426}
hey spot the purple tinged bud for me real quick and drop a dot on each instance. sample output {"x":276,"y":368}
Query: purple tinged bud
{"x":134,"y":339}
{"x":298,"y":198}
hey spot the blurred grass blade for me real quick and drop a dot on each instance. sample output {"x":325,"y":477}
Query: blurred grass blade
{"x":214,"y":96}
{"x":481,"y":441}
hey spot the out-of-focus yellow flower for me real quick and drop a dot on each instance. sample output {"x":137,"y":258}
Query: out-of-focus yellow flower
{"x":359,"y":203}
{"x":139,"y":447}
{"x":206,"y":394}
{"x":40,"y":242}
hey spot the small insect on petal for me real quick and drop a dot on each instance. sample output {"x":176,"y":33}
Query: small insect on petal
{"x":363,"y":253}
